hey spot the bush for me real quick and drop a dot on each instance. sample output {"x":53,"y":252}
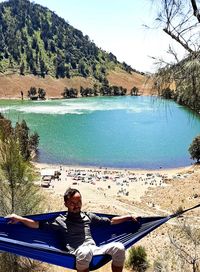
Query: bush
{"x":134,"y":91}
{"x":179,"y":210}
{"x":167,"y":93}
{"x":194,"y":149}
{"x":137,"y":259}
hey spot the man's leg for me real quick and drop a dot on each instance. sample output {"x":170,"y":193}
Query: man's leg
{"x":83,"y":258}
{"x":117,"y":251}
{"x":116,"y":268}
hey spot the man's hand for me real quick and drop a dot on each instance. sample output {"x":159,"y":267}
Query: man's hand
{"x":123,"y":218}
{"x":14,"y":218}
{"x":134,"y":219}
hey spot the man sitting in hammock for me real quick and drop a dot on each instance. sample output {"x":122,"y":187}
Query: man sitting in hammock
{"x":75,"y":229}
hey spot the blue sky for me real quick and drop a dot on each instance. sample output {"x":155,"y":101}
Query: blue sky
{"x":117,"y":26}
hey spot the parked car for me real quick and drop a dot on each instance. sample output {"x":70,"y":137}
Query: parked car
{"x":46,"y":181}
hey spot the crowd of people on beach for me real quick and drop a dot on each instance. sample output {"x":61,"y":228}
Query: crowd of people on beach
{"x":123,"y":179}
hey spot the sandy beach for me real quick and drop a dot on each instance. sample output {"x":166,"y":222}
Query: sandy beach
{"x":106,"y":183}
{"x":136,"y":192}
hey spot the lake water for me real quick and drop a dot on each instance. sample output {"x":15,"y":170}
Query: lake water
{"x":124,"y":132}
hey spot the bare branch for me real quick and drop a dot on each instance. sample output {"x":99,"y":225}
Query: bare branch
{"x":173,"y":53}
{"x":195,"y":10}
{"x":176,"y":38}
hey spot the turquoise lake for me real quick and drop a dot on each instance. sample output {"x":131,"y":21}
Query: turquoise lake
{"x":122,"y":132}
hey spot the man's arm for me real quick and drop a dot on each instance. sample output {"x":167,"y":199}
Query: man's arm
{"x":26,"y":221}
{"x":123,"y":218}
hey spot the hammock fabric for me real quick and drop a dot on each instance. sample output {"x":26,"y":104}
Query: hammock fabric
{"x":47,"y":246}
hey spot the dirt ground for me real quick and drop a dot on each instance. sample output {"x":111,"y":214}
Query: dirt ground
{"x":12,"y":85}
{"x":180,"y":188}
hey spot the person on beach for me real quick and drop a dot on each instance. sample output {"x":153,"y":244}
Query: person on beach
{"x":75,"y":228}
{"x":22,"y":95}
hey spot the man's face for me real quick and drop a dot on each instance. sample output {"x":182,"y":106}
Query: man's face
{"x":74,"y":203}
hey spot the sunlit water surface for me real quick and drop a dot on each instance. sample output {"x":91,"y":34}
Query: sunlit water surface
{"x":125,"y":132}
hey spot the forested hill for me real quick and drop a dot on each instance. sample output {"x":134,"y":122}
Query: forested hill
{"x":34,"y":40}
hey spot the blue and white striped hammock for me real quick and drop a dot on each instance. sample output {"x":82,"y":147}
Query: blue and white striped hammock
{"x":47,"y":246}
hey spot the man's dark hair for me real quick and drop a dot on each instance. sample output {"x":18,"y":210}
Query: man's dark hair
{"x":69,"y":193}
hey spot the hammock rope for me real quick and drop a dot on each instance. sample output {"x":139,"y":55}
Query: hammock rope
{"x":47,"y":246}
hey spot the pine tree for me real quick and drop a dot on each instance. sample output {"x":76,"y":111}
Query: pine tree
{"x":18,"y":194}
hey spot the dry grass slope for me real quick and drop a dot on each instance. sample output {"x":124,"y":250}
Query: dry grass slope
{"x":12,"y":85}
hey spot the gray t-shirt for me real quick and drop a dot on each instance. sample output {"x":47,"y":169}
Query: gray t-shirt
{"x":74,"y":228}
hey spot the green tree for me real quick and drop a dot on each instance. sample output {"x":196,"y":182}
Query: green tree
{"x":34,"y":142}
{"x":127,"y":67}
{"x":134,"y":91}
{"x":34,"y":42}
{"x":32,"y":92}
{"x":194,"y":149}
{"x":96,"y":89}
{"x":33,"y":67}
{"x":67,"y":71}
{"x":137,"y":259}
{"x":82,"y":68}
{"x":87,"y":91}
{"x":117,"y":90}
{"x":22,"y":68}
{"x":41,"y":93}
{"x":2,"y":40}
{"x":167,"y":93}
{"x":18,"y":194}
{"x":70,"y":93}
{"x":27,"y":142}
{"x":43,"y":68}
{"x":60,"y":66}
{"x":5,"y":127}
{"x":22,"y":134}
{"x":105,"y":90}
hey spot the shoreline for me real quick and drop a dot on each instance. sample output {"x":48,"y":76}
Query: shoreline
{"x":136,"y":170}
{"x":108,"y":183}
{"x":139,"y":191}
{"x":60,"y":97}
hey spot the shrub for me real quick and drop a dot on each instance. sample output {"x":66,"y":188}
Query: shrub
{"x":134,"y":91}
{"x":179,"y":210}
{"x":137,"y":259}
{"x":167,"y":93}
{"x":194,"y":149}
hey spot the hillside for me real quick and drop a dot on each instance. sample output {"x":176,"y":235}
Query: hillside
{"x":34,"y":40}
{"x":12,"y":85}
{"x":40,"y":49}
